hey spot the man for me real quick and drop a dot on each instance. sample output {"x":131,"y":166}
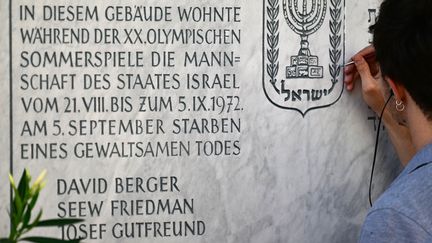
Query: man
{"x":401,"y":65}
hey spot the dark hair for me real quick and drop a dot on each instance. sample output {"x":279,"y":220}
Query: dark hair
{"x":402,"y":37}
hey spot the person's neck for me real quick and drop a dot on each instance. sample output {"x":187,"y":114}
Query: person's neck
{"x":420,"y":127}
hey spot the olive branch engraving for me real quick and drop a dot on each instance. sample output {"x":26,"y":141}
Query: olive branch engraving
{"x":273,"y":42}
{"x":335,"y":41}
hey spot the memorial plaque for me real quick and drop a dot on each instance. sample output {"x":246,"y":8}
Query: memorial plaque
{"x":189,"y":121}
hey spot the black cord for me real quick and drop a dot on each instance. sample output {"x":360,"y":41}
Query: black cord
{"x":376,"y":148}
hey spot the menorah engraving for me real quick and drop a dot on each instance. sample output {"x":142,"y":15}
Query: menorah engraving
{"x":304,"y":22}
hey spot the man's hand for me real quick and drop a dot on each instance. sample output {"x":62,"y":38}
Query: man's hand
{"x":372,"y":83}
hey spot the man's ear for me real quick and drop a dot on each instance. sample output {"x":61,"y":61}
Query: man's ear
{"x":399,"y":90}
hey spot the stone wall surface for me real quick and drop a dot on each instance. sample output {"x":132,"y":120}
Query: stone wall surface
{"x":190,"y":121}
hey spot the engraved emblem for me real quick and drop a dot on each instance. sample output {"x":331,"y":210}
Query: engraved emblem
{"x":308,"y":75}
{"x":304,"y":23}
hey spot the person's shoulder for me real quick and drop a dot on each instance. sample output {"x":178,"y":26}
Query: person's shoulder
{"x":412,"y":191}
{"x":390,"y":225}
{"x":403,"y":210}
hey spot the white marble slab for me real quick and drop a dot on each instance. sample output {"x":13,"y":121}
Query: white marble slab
{"x":291,"y":177}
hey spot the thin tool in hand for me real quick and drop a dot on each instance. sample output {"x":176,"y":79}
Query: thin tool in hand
{"x":368,"y":56}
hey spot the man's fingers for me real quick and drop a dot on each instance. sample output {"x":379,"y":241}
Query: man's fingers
{"x":364,"y":72}
{"x":354,"y":78}
{"x":350,"y":77}
{"x":351,"y":72}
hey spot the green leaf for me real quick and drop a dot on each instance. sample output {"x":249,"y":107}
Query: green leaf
{"x":36,"y":221}
{"x":33,"y":201}
{"x":13,"y":230}
{"x":21,"y":195}
{"x":18,"y":206}
{"x":26,"y":218}
{"x":40,"y":239}
{"x":28,"y":212}
{"x":5,"y":240}
{"x":57,"y":222}
{"x":13,"y":217}
{"x":23,"y":185}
